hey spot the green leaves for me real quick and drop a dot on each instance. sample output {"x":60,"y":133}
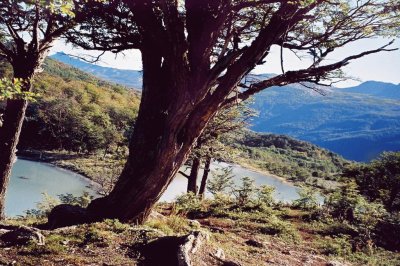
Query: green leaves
{"x":65,"y":7}
{"x":13,"y":89}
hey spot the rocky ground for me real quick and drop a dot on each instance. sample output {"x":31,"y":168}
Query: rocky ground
{"x":164,"y":240}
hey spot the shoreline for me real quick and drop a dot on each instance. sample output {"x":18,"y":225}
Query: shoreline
{"x":58,"y":159}
{"x":263,"y":172}
{"x":70,"y":170}
{"x":51,"y":160}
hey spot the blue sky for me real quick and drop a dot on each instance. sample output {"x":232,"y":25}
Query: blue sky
{"x":384,"y":66}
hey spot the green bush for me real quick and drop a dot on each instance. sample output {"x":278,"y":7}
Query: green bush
{"x":221,"y":180}
{"x":49,"y":202}
{"x":282,"y":229}
{"x":388,"y":232}
{"x":53,"y":246}
{"x":116,"y":226}
{"x":188,"y":203}
{"x":171,"y":225}
{"x":220,"y":205}
{"x":82,"y":200}
{"x":336,"y":246}
{"x":265,"y":195}
{"x":308,"y":199}
{"x":245,"y":192}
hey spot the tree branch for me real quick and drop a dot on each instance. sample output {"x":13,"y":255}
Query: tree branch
{"x":184,"y":174}
{"x":34,"y":44}
{"x":313,"y":74}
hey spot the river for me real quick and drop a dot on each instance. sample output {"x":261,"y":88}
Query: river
{"x":30,"y":179}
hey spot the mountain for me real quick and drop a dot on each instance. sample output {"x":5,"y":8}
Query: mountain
{"x":358,"y":122}
{"x":378,"y":89}
{"x":128,"y":78}
{"x":356,"y":125}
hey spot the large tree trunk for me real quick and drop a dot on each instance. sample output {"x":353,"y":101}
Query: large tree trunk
{"x":205,"y":177}
{"x":9,"y":135}
{"x":161,"y":142}
{"x":192,"y":179}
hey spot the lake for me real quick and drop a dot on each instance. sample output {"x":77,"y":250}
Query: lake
{"x":30,"y":179}
{"x":284,"y":191}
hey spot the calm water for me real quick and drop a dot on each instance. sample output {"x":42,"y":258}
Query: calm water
{"x":283,"y":191}
{"x":30,"y":179}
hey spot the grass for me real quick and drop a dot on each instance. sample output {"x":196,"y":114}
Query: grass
{"x":285,"y":233}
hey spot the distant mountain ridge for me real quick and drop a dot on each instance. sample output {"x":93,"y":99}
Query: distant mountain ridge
{"x":356,"y":125}
{"x":358,"y":122}
{"x":375,"y":88}
{"x":128,"y":78}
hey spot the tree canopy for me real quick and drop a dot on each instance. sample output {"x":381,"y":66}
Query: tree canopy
{"x":196,"y":55}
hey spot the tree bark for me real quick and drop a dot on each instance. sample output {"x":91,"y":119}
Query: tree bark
{"x":9,"y":136}
{"x":205,"y":177}
{"x":192,"y":179}
{"x":161,"y":142}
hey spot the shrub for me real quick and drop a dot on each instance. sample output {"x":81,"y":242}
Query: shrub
{"x":49,"y":202}
{"x":265,"y":195}
{"x":337,"y":246}
{"x":220,"y":204}
{"x":171,"y":225}
{"x":188,"y":203}
{"x":53,"y":246}
{"x":388,"y":232}
{"x":245,"y":192}
{"x":116,"y":226}
{"x":44,"y":207}
{"x":280,"y":228}
{"x":308,"y":199}
{"x":82,"y":200}
{"x":221,"y":180}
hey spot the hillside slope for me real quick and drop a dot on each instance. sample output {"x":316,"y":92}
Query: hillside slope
{"x":77,"y":111}
{"x":355,"y":125}
{"x":128,"y":78}
{"x":358,"y":122}
{"x":298,"y":161}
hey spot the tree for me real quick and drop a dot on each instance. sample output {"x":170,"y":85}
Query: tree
{"x":225,"y":125}
{"x":307,"y":200}
{"x":245,"y":192}
{"x":379,"y":180}
{"x":27,"y":31}
{"x":221,"y":181}
{"x":195,"y":55}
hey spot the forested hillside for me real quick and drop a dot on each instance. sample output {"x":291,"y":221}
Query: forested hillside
{"x":128,"y":78}
{"x":298,"y":161}
{"x":355,"y":123}
{"x":358,"y":122}
{"x":76,"y":111}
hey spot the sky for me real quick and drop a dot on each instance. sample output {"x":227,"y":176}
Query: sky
{"x":384,"y":66}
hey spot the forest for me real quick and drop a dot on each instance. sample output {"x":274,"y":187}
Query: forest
{"x":192,"y":111}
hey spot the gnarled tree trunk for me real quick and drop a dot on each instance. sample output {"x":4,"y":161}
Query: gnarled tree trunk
{"x":165,"y":130}
{"x":192,"y":179}
{"x":9,"y":136}
{"x":205,"y":177}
